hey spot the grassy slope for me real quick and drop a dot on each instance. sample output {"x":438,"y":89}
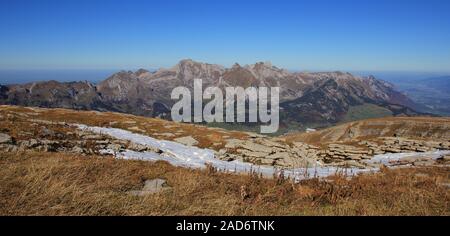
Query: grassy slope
{"x":366,"y":111}
{"x":35,"y":183}
{"x":16,"y":117}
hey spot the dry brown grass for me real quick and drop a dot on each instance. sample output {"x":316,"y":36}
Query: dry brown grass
{"x":34,"y":183}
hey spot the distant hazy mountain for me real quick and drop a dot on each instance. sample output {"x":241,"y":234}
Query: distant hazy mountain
{"x":307,"y":99}
{"x":441,"y":84}
{"x":431,"y":94}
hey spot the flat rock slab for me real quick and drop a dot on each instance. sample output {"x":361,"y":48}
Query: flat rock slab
{"x":151,"y":186}
{"x":188,"y":140}
{"x":4,"y":138}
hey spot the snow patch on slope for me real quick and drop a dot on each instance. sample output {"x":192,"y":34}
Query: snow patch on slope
{"x":388,"y":158}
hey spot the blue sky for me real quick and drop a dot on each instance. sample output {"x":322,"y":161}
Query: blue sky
{"x":378,"y":35}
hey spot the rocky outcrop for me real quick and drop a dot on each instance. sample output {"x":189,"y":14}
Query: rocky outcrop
{"x":397,"y":145}
{"x":337,"y":152}
{"x":268,"y":151}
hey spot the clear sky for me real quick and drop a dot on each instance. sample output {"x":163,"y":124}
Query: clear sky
{"x":377,"y":35}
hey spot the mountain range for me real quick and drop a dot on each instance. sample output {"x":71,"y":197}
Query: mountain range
{"x":307,"y":99}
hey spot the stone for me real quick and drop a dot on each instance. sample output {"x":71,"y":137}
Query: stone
{"x":444,"y":158}
{"x":137,"y":147}
{"x":143,"y":148}
{"x":45,"y":132}
{"x":233,"y":143}
{"x":310,"y":130}
{"x":5,"y":138}
{"x":223,"y":151}
{"x":432,"y":144}
{"x":423,"y":149}
{"x":114,"y":147}
{"x":254,"y":135}
{"x":8,"y":148}
{"x":428,"y":162}
{"x":393,"y":150}
{"x":77,"y":150}
{"x":249,"y":153}
{"x":378,"y":152}
{"x":279,"y":155}
{"x":445,"y":145}
{"x":354,"y":157}
{"x":270,"y":143}
{"x":256,"y":147}
{"x":300,"y":152}
{"x":32,"y":143}
{"x":228,"y":157}
{"x":421,"y":175}
{"x":266,"y":161}
{"x":151,"y":186}
{"x":299,"y":144}
{"x":188,"y":140}
{"x":102,"y":142}
{"x":120,"y":142}
{"x":352,"y":163}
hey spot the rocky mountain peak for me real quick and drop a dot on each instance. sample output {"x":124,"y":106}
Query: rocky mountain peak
{"x":236,"y":66}
{"x":141,"y":72}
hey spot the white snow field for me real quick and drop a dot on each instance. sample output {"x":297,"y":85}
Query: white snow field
{"x":192,"y":157}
